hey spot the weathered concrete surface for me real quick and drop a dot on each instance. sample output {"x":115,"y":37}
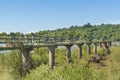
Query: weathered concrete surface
{"x":88,"y":48}
{"x":80,"y":50}
{"x":95,"y":48}
{"x":68,"y":53}
{"x":52,"y":56}
{"x":25,"y":51}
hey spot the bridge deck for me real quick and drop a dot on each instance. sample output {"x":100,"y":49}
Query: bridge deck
{"x":37,"y":45}
{"x":13,"y":41}
{"x":34,"y":45}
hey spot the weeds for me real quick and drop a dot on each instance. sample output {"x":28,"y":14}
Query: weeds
{"x":10,"y":66}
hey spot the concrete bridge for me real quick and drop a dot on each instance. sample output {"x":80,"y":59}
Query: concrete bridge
{"x":27,"y":43}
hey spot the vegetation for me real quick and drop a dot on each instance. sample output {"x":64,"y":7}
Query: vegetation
{"x":86,"y":32}
{"x":10,"y":66}
{"x":104,"y":66}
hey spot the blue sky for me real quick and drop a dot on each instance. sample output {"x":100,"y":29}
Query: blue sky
{"x":36,"y":15}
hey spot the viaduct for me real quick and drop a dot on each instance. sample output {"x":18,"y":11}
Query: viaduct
{"x":25,"y":44}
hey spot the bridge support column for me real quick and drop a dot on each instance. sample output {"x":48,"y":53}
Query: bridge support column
{"x":103,"y":45}
{"x":95,"y":48}
{"x":80,"y":50}
{"x":52,"y":56}
{"x":106,"y":47}
{"x":25,"y":50}
{"x":100,"y":45}
{"x":88,"y":48}
{"x":68,"y":53}
{"x":109,"y":44}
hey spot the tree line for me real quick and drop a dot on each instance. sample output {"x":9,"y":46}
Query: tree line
{"x":87,"y":32}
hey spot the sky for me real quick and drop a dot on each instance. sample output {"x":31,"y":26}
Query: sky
{"x":37,"y":15}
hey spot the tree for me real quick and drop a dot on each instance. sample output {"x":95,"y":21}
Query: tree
{"x":88,"y":25}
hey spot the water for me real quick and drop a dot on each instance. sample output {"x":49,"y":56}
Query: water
{"x":2,"y":45}
{"x":3,"y":51}
{"x":74,"y":46}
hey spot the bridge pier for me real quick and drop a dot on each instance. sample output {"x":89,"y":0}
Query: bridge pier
{"x":109,"y":44}
{"x":80,"y":50}
{"x":95,"y":48}
{"x":103,"y":45}
{"x":52,"y":56}
{"x":88,"y":48}
{"x":99,"y":45}
{"x":25,"y":50}
{"x":68,"y":53}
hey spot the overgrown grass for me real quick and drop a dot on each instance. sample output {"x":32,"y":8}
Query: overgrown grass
{"x":10,"y":66}
{"x":39,"y":56}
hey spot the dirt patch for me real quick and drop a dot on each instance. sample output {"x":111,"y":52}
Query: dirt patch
{"x":99,"y":60}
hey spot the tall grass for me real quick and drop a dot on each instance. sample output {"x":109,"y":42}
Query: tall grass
{"x":11,"y":66}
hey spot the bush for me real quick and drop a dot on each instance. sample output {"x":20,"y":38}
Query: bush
{"x":39,"y":56}
{"x":11,"y":62}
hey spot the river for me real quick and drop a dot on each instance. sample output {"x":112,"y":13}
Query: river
{"x":3,"y":51}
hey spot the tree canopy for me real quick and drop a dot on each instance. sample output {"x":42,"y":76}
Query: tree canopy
{"x":86,"y":32}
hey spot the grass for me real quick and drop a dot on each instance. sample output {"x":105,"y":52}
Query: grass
{"x":10,"y":66}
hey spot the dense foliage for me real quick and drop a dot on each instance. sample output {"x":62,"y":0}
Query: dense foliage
{"x":86,"y":32}
{"x":79,"y":69}
{"x":10,"y":66}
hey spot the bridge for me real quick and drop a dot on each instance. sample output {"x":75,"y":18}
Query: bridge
{"x":25,"y":44}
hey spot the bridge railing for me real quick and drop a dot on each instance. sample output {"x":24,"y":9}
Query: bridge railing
{"x":27,"y":39}
{"x":32,"y":39}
